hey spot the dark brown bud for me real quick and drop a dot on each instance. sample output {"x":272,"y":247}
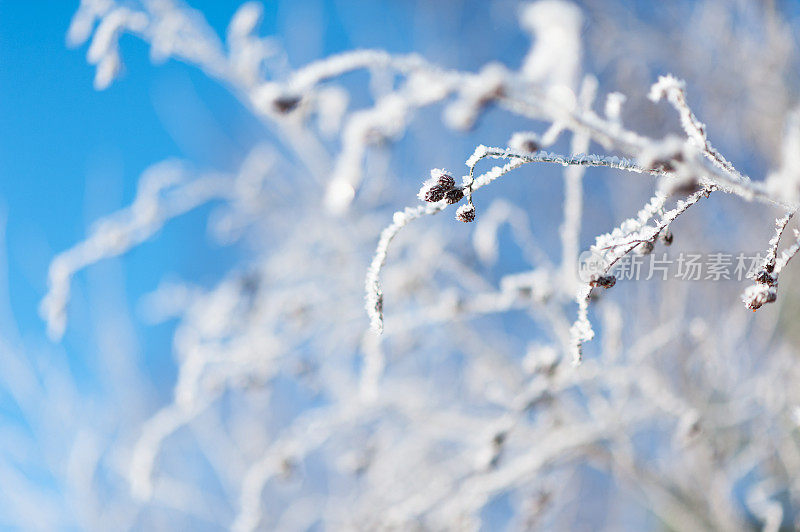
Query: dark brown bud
{"x":682,"y":187}
{"x":442,"y":178}
{"x":434,"y":194}
{"x":668,"y":164}
{"x":525,"y":142}
{"x":663,"y":166}
{"x":285,"y":103}
{"x":530,"y":145}
{"x":466,"y":213}
{"x":446,"y":181}
{"x":454,"y":195}
{"x":764,"y":277}
{"x":645,"y":248}
{"x":758,"y":298}
{"x":668,"y":238}
{"x":605,"y":281}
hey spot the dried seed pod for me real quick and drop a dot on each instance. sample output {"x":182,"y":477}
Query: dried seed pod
{"x":645,"y":248}
{"x":466,"y":213}
{"x":681,"y":186}
{"x":530,"y":145}
{"x":454,"y":195}
{"x":604,"y":281}
{"x":764,"y":277}
{"x":431,"y":193}
{"x":668,"y":164}
{"x":668,"y":237}
{"x":758,"y":295}
{"x":525,"y":142}
{"x":285,"y":103}
{"x":443,"y":179}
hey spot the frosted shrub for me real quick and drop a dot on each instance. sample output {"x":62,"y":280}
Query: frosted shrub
{"x":458,"y":404}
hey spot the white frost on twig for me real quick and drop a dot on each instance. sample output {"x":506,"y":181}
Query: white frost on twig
{"x":674,"y":90}
{"x":374,"y":292}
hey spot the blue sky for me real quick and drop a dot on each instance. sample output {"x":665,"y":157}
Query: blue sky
{"x":70,"y":154}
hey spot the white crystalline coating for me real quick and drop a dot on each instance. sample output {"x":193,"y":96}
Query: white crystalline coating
{"x":757,"y":295}
{"x":538,"y":357}
{"x":380,"y":421}
{"x":772,"y":249}
{"x":632,"y":228}
{"x":615,"y":245}
{"x":165,"y":191}
{"x":171,"y":30}
{"x":107,"y":33}
{"x":581,"y":330}
{"x":479,"y":153}
{"x":264,"y":96}
{"x":523,"y":141}
{"x":436,"y":173}
{"x":383,"y":122}
{"x":664,"y":151}
{"x":336,"y":65}
{"x":429,"y":86}
{"x":249,"y":55}
{"x":474,"y":93}
{"x":339,"y":195}
{"x":784,"y":182}
{"x":433,"y":181}
{"x":787,"y":254}
{"x":108,"y":68}
{"x":674,"y":90}
{"x":466,"y":212}
{"x":537,"y":284}
{"x":570,"y":228}
{"x":245,"y":20}
{"x":181,"y":33}
{"x":556,"y":52}
{"x":613,"y":108}
{"x":374,"y":292}
{"x":82,"y":24}
{"x":332,"y":105}
{"x":665,"y":86}
{"x":103,"y":50}
{"x":796,"y":415}
{"x":423,"y":191}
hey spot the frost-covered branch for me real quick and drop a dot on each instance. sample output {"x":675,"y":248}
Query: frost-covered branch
{"x":287,"y":412}
{"x":611,"y":247}
{"x":166,"y":191}
{"x":374,"y":292}
{"x":674,"y":90}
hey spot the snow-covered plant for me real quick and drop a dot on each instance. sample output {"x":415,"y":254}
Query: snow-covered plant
{"x":461,"y":405}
